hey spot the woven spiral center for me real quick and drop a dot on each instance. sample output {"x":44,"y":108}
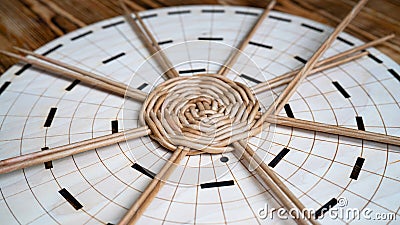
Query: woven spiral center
{"x":205,"y":113}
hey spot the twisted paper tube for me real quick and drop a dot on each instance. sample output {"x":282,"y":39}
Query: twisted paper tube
{"x":205,"y":113}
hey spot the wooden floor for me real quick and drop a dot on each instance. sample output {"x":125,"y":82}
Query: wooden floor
{"x":32,"y":23}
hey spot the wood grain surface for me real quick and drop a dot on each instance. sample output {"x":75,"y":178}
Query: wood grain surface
{"x":32,"y":23}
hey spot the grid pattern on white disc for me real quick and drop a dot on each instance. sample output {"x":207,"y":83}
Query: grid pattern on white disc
{"x":316,"y":169}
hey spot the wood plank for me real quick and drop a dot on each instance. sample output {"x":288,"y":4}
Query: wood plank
{"x":32,"y":23}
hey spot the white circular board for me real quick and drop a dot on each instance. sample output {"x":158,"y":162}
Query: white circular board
{"x":197,"y":39}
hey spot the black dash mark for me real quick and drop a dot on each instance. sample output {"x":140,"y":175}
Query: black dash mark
{"x":49,"y":164}
{"x":143,"y":170}
{"x":288,"y":111}
{"x":250,"y":78}
{"x":210,"y":38}
{"x":52,"y":50}
{"x":312,"y":27}
{"x":217,"y":184}
{"x":192,"y":71}
{"x":70,"y":199}
{"x":114,"y":126}
{"x":50,"y":117}
{"x":325,"y":208}
{"x":394,"y":73}
{"x":280,"y":19}
{"x":4,"y":86}
{"x":81,"y":35}
{"x":357,"y":168}
{"x":341,"y":89}
{"x":114,"y":58}
{"x":246,"y":13}
{"x":300,"y":59}
{"x":72,"y":85}
{"x":179,"y":12}
{"x":110,"y":224}
{"x":278,"y":158}
{"x":164,"y":42}
{"x":142,"y":86}
{"x":375,"y":58}
{"x":113,"y":24}
{"x":260,"y":45}
{"x":212,"y":11}
{"x":345,"y":41}
{"x":20,"y":71}
{"x":360,"y":123}
{"x":148,"y":16}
